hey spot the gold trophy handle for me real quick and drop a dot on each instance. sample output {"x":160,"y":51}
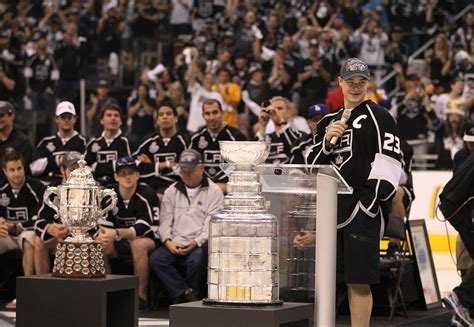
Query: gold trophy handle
{"x":51,"y":190}
{"x":113,"y":202}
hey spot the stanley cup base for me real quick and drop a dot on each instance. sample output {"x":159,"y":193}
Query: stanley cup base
{"x":79,"y":260}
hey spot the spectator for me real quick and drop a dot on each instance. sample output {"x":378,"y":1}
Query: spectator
{"x":282,"y":138}
{"x":98,"y":100}
{"x":449,"y":138}
{"x":440,"y":60}
{"x":206,"y":141}
{"x":70,"y":54}
{"x":230,"y":93}
{"x":144,"y":25}
{"x":41,"y":75}
{"x":48,"y":227}
{"x":102,"y":152}
{"x":314,"y":78}
{"x":159,"y":153}
{"x":180,"y":18}
{"x":454,"y":93}
{"x":109,"y":31}
{"x":20,"y":200}
{"x":50,"y":150}
{"x":128,"y":228}
{"x":10,"y":138}
{"x":414,"y":114}
{"x":199,"y":93}
{"x":397,"y":51}
{"x":184,"y":228}
{"x":141,"y":114}
{"x":11,"y":86}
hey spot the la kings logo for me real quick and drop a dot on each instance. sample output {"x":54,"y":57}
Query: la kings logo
{"x":153,"y":147}
{"x":50,"y":146}
{"x":343,"y":149}
{"x":4,"y":200}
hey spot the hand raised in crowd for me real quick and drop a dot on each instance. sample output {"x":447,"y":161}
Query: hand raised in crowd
{"x":57,"y":230}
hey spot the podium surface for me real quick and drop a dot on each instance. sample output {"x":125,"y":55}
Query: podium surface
{"x":43,"y":300}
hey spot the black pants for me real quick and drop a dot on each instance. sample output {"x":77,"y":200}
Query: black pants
{"x":465,"y":291}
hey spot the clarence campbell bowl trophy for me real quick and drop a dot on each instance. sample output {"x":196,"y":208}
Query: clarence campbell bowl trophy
{"x":243,"y":238}
{"x":79,"y":256}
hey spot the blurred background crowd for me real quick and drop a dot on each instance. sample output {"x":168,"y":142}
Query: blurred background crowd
{"x":141,"y":53}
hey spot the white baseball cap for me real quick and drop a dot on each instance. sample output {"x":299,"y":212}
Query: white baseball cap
{"x":65,"y":107}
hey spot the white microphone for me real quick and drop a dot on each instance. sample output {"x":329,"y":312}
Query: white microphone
{"x":345,"y":117}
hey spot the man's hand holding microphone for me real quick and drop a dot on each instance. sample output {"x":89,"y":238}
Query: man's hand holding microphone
{"x":336,"y":129}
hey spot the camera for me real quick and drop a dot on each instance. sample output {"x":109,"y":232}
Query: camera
{"x":278,"y":171}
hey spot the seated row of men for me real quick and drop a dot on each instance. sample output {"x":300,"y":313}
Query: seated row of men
{"x":131,"y":228}
{"x":158,"y":153}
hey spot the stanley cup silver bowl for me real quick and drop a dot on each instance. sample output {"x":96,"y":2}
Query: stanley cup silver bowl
{"x":79,"y":208}
{"x":244,"y":153}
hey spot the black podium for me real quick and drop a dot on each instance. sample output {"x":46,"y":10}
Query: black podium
{"x":197,"y":314}
{"x":48,"y":301}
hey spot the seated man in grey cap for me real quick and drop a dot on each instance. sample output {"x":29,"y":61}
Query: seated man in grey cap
{"x":50,"y":150}
{"x":185,"y":212}
{"x":49,"y":230}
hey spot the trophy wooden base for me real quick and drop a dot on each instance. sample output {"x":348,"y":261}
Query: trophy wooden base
{"x":79,"y":260}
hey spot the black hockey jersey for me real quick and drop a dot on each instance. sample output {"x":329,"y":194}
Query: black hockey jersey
{"x":367,"y":156}
{"x":22,"y":208}
{"x":49,"y":148}
{"x":161,"y":150}
{"x":46,"y":216}
{"x":102,"y":156}
{"x":299,"y":148}
{"x":281,"y":145}
{"x":41,"y":72}
{"x":209,"y":148}
{"x":141,"y":212}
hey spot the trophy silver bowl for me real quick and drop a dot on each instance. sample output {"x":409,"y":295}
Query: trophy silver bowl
{"x":79,"y":210}
{"x":243,"y":238}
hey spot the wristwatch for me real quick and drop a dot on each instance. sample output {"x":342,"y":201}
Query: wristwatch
{"x":117,"y":236}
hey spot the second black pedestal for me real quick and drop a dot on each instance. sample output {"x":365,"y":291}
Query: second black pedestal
{"x":48,"y":301}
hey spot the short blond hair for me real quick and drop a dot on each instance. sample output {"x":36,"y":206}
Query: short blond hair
{"x":287,"y":102}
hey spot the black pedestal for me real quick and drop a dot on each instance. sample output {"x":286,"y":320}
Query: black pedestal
{"x":197,"y":314}
{"x":48,"y":301}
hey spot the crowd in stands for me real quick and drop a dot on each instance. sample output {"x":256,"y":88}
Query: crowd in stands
{"x":226,"y":70}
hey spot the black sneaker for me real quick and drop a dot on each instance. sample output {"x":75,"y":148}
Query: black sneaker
{"x":143,"y":306}
{"x":393,"y":251}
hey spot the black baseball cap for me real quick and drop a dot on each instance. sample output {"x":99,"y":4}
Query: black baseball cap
{"x":189,"y":159}
{"x":469,"y":132}
{"x":125,"y":162}
{"x":354,"y":67}
{"x":6,"y":108}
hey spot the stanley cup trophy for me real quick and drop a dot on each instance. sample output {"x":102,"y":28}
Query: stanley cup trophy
{"x":243,"y":238}
{"x":79,"y":256}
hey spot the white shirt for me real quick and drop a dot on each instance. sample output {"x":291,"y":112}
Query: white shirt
{"x":179,"y":14}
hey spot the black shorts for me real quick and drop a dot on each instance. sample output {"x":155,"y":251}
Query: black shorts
{"x":358,"y":250}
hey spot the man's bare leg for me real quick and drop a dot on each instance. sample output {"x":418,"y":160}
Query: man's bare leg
{"x":141,"y":248}
{"x":360,"y":304}
{"x":41,"y":257}
{"x":28,"y":259}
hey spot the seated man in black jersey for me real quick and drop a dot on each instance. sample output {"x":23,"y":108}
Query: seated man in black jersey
{"x":20,"y":199}
{"x":102,"y":152}
{"x":206,"y":140}
{"x":278,"y":109}
{"x":51,"y":149}
{"x":49,"y":230}
{"x":160,"y":152}
{"x":128,"y":228}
